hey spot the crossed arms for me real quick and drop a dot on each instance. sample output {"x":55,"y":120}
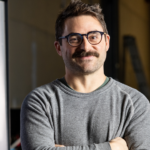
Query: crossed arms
{"x":38,"y":131}
{"x":115,"y":144}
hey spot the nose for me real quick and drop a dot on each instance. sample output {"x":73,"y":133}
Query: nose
{"x":85,"y":45}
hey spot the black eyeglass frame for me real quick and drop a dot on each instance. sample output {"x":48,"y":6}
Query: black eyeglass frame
{"x":63,"y":37}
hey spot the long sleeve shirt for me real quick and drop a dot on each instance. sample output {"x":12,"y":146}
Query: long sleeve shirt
{"x":55,"y":114}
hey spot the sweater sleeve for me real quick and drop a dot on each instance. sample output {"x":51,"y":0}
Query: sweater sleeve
{"x":37,"y":130}
{"x":137,"y":134}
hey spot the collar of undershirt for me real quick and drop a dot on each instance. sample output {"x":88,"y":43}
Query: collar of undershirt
{"x":62,"y":80}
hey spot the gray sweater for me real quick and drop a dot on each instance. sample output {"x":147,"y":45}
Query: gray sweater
{"x":55,"y":114}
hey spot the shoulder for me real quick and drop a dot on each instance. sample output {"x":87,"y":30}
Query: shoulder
{"x":41,"y":96}
{"x":137,"y":105}
{"x":47,"y":89}
{"x":135,"y":96}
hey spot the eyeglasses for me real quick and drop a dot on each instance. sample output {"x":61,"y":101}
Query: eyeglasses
{"x":75,"y":39}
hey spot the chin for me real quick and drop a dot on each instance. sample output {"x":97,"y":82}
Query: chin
{"x":87,"y":71}
{"x":83,"y":69}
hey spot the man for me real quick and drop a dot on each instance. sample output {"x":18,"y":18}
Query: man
{"x":85,"y":110}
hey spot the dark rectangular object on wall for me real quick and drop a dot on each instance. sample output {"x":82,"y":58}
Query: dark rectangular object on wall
{"x":110,"y":11}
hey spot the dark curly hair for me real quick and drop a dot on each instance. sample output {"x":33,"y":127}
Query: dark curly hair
{"x":77,"y":8}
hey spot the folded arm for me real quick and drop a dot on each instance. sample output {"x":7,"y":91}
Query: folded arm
{"x":115,"y":144}
{"x":37,"y":130}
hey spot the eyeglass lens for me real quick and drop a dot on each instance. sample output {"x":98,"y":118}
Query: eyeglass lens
{"x":76,"y":39}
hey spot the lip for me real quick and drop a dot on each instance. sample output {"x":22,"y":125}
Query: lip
{"x":85,"y":57}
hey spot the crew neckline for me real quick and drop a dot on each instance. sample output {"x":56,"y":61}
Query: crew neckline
{"x":72,"y":92}
{"x":63,"y":80}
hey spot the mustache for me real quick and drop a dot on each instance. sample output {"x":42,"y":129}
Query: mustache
{"x":83,"y":53}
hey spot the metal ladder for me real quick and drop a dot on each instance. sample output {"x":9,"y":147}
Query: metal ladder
{"x":130,"y":44}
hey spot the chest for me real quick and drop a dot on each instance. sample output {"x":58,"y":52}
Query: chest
{"x":85,"y":122}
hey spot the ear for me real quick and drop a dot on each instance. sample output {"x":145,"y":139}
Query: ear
{"x":57,"y":47}
{"x":107,"y":41}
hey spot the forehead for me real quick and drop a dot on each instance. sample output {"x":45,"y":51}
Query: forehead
{"x":81,"y":24}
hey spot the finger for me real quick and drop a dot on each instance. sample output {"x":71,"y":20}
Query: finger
{"x":56,"y":145}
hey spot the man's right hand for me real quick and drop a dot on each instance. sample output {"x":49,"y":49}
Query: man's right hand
{"x":56,"y":145}
{"x":118,"y":144}
{"x":115,"y":144}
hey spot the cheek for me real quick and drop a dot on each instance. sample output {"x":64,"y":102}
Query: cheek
{"x":101,"y":47}
{"x":97,"y":48}
{"x":70,"y":52}
{"x":66,"y":54}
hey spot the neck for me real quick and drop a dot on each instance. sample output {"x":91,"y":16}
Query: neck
{"x":85,"y":83}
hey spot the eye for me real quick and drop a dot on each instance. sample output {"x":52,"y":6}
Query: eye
{"x":74,"y":39}
{"x":93,"y":37}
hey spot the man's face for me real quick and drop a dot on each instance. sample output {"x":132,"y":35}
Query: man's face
{"x":84,"y":64}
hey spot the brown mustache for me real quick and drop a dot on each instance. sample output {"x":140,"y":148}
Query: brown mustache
{"x":82,"y":53}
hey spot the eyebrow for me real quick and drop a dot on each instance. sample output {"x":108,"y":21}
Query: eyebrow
{"x":84,"y":33}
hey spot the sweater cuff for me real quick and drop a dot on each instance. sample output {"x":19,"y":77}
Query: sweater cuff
{"x":103,"y":146}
